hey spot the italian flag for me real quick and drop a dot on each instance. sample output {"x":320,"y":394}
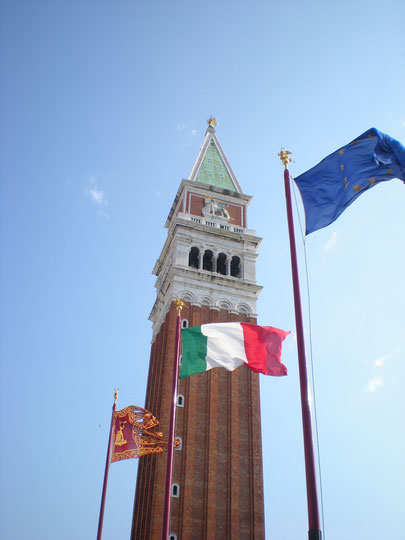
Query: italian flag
{"x":229,"y":345}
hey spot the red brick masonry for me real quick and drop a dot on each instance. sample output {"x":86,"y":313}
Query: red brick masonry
{"x":219,"y":468}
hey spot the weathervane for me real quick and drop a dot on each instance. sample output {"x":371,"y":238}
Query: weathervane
{"x":212,"y":121}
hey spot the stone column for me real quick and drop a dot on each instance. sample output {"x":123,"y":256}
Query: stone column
{"x":214,"y":263}
{"x":241,"y":274}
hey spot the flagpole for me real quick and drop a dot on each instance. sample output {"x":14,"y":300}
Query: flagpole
{"x":314,"y":532}
{"x":170,"y":443}
{"x":107,"y":467}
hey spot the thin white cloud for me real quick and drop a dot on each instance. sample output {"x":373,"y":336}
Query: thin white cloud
{"x":189,"y":138}
{"x":96,"y":195}
{"x":186,"y":132}
{"x":355,"y":307}
{"x":330,"y":244}
{"x":380,"y":362}
{"x":373,"y":384}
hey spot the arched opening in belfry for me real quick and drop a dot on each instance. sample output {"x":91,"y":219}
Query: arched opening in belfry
{"x":235,"y":266}
{"x":207,"y":260}
{"x":194,"y":257}
{"x":221,"y":264}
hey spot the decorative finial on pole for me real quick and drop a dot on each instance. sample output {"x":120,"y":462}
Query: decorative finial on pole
{"x":179,"y":304}
{"x":116,"y":395}
{"x":212,"y":121}
{"x":285,"y":157}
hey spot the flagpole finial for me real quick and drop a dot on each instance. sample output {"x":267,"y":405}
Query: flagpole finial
{"x":116,"y":395}
{"x":284,"y":155}
{"x":179,"y":304}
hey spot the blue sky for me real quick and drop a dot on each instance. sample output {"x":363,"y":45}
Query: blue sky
{"x":104,"y":107}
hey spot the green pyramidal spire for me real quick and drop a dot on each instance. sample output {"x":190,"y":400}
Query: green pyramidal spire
{"x":212,"y":166}
{"x":213,"y":170}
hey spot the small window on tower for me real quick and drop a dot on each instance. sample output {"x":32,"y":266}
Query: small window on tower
{"x":180,"y":401}
{"x":221,"y":264}
{"x":207,"y":260}
{"x":194,"y":257}
{"x":184,"y":323}
{"x":175,"y":490}
{"x":235,"y":267}
{"x":172,"y":536}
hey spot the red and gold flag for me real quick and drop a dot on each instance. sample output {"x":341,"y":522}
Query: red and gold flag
{"x":134,"y":434}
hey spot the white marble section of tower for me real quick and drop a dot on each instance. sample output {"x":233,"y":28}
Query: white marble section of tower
{"x":209,"y":255}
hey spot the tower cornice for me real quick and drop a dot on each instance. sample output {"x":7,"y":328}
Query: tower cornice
{"x":200,"y":287}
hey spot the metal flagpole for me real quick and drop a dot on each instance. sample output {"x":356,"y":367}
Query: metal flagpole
{"x":107,"y":467}
{"x":314,"y":532}
{"x":170,"y":444}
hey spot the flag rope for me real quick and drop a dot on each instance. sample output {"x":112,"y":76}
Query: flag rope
{"x":303,"y":239}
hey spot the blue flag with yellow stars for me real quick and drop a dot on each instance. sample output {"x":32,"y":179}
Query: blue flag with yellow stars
{"x":331,"y":186}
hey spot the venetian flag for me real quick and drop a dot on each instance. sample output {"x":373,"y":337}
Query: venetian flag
{"x":135,"y":435}
{"x":229,"y":345}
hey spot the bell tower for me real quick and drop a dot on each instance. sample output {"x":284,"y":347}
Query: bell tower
{"x":208,"y":260}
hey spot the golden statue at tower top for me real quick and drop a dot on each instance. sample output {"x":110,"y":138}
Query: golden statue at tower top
{"x":212,"y":121}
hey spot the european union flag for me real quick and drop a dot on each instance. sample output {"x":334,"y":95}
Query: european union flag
{"x":331,"y":186}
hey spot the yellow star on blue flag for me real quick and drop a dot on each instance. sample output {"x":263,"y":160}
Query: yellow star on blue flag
{"x":368,"y":160}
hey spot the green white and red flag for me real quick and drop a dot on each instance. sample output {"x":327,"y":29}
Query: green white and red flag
{"x":230,"y":345}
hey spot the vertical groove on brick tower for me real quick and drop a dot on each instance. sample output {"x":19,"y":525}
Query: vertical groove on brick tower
{"x":208,"y":260}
